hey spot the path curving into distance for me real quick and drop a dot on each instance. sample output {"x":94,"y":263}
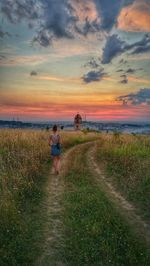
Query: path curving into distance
{"x":123,"y":205}
{"x":54,"y":228}
{"x":53,"y":231}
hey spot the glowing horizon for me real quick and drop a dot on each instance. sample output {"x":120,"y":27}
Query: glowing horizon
{"x":83,"y":64}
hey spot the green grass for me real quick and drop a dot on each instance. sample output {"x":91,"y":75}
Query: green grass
{"x":95,"y":232}
{"x":23,"y":167}
{"x":126,"y":161}
{"x":24,"y":170}
{"x":21,"y":230}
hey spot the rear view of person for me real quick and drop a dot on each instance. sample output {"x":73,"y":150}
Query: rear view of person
{"x":54,"y":142}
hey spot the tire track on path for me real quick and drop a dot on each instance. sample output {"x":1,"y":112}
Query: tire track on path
{"x":126,"y":208}
{"x":53,"y":230}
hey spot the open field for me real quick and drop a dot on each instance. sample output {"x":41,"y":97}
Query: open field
{"x":24,"y":164}
{"x":96,"y":232}
{"x":126,"y":160}
{"x":70,"y":219}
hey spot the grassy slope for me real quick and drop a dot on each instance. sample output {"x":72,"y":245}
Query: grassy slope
{"x":96,"y":234}
{"x":126,"y":160}
{"x":24,"y":165}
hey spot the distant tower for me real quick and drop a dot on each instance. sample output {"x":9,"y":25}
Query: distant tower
{"x":77,"y":121}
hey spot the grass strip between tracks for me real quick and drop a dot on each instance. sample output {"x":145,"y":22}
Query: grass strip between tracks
{"x":95,"y":232}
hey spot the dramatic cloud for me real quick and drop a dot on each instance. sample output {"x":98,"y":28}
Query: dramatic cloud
{"x":63,"y":18}
{"x":142,"y":46}
{"x":57,"y":21}
{"x":84,"y":10}
{"x":115,"y":46}
{"x":43,"y":38}
{"x":53,"y":19}
{"x":92,"y":64}
{"x":87,"y":17}
{"x":109,"y":11}
{"x":33,"y":73}
{"x":94,"y":76}
{"x":16,"y":10}
{"x":87,"y":27}
{"x":141,"y":97}
{"x":135,"y":17}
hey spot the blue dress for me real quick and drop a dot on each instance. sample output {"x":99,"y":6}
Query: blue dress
{"x":55,"y":146}
{"x":55,"y":150}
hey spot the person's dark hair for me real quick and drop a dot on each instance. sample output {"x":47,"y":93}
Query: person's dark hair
{"x":54,"y":128}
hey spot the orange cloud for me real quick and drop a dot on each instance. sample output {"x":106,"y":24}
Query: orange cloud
{"x":19,"y":60}
{"x":58,"y":79}
{"x":135,"y":17}
{"x":51,"y":78}
{"x":85,"y":9}
{"x":139,"y":80}
{"x":65,"y":79}
{"x":109,"y":79}
{"x":139,"y":58}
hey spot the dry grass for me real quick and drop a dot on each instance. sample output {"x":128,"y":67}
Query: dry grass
{"x":126,"y":159}
{"x":95,"y":231}
{"x":24,"y":163}
{"x":22,"y":157}
{"x":23,"y":154}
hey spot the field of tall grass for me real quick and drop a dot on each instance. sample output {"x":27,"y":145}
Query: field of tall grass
{"x":95,"y":232}
{"x":126,"y":162}
{"x":24,"y":165}
{"x":24,"y":169}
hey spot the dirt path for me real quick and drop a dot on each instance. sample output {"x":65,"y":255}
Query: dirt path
{"x":54,"y":235}
{"x":53,"y":231}
{"x":124,"y":207}
{"x":54,"y":228}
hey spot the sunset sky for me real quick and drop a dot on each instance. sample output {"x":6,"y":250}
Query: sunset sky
{"x":59,"y":57}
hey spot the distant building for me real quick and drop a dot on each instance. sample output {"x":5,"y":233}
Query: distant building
{"x":77,"y":121}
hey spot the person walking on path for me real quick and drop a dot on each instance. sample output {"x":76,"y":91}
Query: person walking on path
{"x":54,"y":142}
